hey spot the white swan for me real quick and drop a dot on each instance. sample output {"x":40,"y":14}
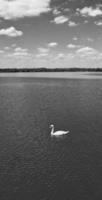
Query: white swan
{"x":57,"y":133}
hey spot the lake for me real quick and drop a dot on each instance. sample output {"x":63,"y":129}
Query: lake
{"x":35,"y":166}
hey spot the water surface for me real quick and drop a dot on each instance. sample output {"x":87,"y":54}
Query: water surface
{"x":60,"y":75}
{"x":32,"y":164}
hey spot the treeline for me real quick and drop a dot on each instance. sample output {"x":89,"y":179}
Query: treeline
{"x":50,"y":70}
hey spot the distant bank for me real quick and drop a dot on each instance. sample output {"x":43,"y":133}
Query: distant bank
{"x":50,"y":70}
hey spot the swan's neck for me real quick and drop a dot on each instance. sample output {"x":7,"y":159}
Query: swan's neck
{"x":52,"y":130}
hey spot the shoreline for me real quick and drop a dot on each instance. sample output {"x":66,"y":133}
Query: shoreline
{"x":45,"y":70}
{"x":53,"y":75}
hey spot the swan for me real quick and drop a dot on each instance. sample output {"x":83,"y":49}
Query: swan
{"x":57,"y":133}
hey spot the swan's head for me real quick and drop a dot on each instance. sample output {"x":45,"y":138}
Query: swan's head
{"x":51,"y":126}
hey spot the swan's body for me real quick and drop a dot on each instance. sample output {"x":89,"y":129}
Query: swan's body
{"x":57,"y":133}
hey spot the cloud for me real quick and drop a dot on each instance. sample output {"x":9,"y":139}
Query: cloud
{"x":52,"y":44}
{"x":7,"y":48}
{"x":41,"y":55}
{"x":11,"y":32}
{"x":23,"y":8}
{"x":56,"y":12}
{"x":73,"y":46}
{"x":13,"y":45}
{"x":98,"y":23}
{"x":89,"y":11}
{"x":72,"y":24}
{"x":75,"y":38}
{"x":1,"y":51}
{"x":60,"y":19}
{"x":43,"y":50}
{"x":90,"y":39}
{"x":85,"y":51}
{"x":66,"y":10}
{"x":60,"y":56}
{"x":19,"y":51}
{"x":70,"y":55}
{"x":86,"y":22}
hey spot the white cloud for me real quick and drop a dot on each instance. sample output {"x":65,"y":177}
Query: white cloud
{"x":66,"y":9}
{"x":70,"y":55}
{"x":72,"y":24}
{"x":98,"y":23}
{"x":1,"y":51}
{"x":89,"y":11}
{"x":56,"y":12}
{"x":7,"y":48}
{"x":85,"y":51}
{"x":52,"y":44}
{"x":11,"y":32}
{"x":41,"y":55}
{"x":13,"y":45}
{"x":20,"y":54}
{"x":75,"y":38}
{"x":86,"y":22}
{"x":60,"y":56}
{"x":19,"y":51}
{"x":43,"y":50}
{"x":90,"y":39}
{"x":71,"y":46}
{"x":60,"y":19}
{"x":23,"y":8}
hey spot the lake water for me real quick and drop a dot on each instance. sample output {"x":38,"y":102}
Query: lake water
{"x":35,"y":166}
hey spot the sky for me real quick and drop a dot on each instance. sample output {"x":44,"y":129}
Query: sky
{"x":50,"y":33}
